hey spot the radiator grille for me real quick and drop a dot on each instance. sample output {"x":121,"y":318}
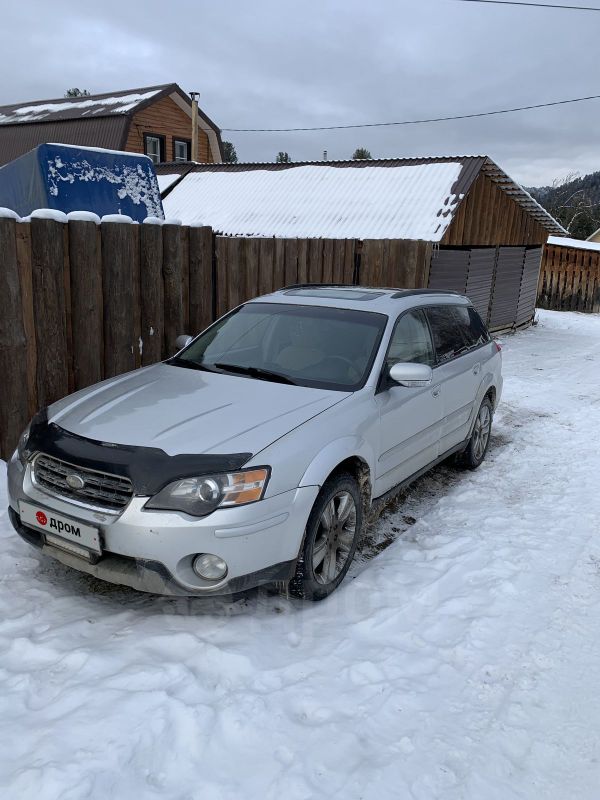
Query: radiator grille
{"x":98,"y":489}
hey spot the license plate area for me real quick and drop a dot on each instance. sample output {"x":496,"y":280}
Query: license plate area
{"x":69,"y":534}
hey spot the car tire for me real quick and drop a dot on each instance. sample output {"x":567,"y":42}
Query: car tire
{"x":332,"y":534}
{"x":475,"y":452}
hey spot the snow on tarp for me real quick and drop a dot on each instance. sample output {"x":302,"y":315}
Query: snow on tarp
{"x":89,"y":107}
{"x":70,"y":178}
{"x":375,"y":202}
{"x":580,"y":244}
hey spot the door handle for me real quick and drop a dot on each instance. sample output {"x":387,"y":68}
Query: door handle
{"x":476,"y":369}
{"x":436,"y":390}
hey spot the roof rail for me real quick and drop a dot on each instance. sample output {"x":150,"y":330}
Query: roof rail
{"x":320,"y":286}
{"x":411,"y":292}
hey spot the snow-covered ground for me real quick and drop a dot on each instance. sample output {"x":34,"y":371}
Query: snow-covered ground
{"x":462,"y":661}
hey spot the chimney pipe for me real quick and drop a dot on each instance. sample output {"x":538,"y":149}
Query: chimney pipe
{"x":195,"y":143}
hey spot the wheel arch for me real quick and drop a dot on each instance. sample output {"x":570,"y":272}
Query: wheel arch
{"x":343,"y":455}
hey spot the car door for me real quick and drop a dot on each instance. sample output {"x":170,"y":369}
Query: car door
{"x":409,"y":417}
{"x":458,"y":371}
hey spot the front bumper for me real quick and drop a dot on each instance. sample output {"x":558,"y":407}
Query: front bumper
{"x":152,"y":551}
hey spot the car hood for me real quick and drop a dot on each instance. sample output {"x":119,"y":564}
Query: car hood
{"x":188,"y":411}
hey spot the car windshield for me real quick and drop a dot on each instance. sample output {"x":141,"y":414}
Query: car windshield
{"x":316,"y":346}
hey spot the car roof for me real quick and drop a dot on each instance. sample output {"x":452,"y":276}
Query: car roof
{"x":388,"y":301}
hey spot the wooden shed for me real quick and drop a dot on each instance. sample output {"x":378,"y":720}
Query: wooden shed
{"x":456,"y":223}
{"x":570,"y":275}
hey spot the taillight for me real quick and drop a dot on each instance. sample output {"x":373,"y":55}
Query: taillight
{"x":497,"y":345}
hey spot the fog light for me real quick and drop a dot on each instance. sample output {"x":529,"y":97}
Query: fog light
{"x":211,"y":568}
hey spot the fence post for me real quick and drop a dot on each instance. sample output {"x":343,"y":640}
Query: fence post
{"x":201,"y":278}
{"x":173,"y":287}
{"x":152,"y":294}
{"x":87,"y":322}
{"x":14,"y":412}
{"x":118,"y":294}
{"x":50,"y":317}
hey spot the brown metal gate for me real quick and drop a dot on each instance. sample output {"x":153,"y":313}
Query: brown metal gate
{"x":500,"y":281}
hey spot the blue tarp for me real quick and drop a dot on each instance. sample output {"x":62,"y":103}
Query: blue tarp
{"x":68,"y":178}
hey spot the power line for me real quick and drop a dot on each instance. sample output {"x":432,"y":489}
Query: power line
{"x":415,"y":121}
{"x":540,"y":5}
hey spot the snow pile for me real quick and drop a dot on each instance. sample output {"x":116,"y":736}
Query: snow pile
{"x":460,"y":663}
{"x":83,"y":216}
{"x":8,"y":213}
{"x":47,"y":213}
{"x":375,"y":202}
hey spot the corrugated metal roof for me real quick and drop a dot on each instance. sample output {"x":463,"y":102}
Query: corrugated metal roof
{"x":413,"y":198}
{"x":126,"y":101}
{"x":523,"y":198}
{"x":105,"y":132}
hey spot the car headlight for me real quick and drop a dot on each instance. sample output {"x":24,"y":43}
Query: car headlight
{"x":23,"y":453}
{"x":202,"y":495}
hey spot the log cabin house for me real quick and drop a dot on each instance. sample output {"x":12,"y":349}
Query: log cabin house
{"x":155,"y":120}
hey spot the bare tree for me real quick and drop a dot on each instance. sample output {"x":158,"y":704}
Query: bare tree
{"x":572,"y":202}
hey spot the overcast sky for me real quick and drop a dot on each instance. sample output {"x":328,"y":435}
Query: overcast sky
{"x":284,"y":64}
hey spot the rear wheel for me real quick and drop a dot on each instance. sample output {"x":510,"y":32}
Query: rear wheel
{"x":332,"y":533}
{"x":475,"y":452}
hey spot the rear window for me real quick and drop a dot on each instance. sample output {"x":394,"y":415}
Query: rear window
{"x":473,"y":330}
{"x":456,"y":330}
{"x":447,"y":333}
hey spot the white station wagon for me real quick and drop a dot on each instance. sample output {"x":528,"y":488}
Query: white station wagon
{"x":253,"y":456}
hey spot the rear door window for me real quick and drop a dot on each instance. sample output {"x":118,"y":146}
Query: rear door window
{"x":411,"y":341}
{"x":472,"y":328}
{"x":447,"y":332}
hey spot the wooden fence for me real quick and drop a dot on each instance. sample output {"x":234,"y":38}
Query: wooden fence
{"x":81,"y":302}
{"x":569,"y":279}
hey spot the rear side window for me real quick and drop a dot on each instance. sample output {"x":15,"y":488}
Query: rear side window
{"x":411,"y":341}
{"x":473,"y":330}
{"x":447,"y":332}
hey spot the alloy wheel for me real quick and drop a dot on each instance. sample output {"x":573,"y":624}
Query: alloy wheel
{"x":334,"y":539}
{"x":481,"y":431}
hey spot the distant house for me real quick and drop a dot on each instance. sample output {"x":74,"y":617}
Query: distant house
{"x":457,"y":222}
{"x":155,"y":120}
{"x":595,"y":237}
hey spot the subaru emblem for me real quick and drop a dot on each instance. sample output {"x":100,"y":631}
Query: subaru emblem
{"x":75,"y":481}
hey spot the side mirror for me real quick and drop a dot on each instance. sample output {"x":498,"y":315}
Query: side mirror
{"x":408,"y":374}
{"x":183,"y":341}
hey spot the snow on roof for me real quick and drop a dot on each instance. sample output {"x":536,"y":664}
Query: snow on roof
{"x":580,"y":244}
{"x":164,"y":181}
{"x":373,"y":202}
{"x":80,"y":107}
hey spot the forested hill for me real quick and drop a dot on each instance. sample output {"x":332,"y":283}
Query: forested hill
{"x":574,"y":202}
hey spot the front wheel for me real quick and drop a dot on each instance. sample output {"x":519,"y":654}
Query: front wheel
{"x":332,"y":533}
{"x":475,"y":451}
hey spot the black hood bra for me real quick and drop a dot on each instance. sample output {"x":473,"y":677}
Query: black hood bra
{"x":148,"y":468}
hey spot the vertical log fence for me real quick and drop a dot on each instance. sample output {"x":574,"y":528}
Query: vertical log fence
{"x":81,"y":302}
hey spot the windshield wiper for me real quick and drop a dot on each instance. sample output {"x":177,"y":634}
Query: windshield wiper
{"x":176,"y":361}
{"x":257,"y":372}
